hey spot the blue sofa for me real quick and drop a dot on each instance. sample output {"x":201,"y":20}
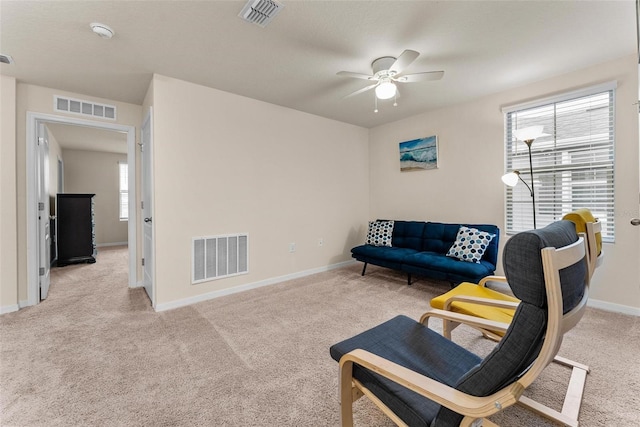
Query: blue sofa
{"x":419,"y":248}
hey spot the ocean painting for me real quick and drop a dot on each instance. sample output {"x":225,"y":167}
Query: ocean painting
{"x":419,"y":154}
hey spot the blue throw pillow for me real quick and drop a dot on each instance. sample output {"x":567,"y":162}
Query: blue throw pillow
{"x":380,"y":233}
{"x":470,"y":244}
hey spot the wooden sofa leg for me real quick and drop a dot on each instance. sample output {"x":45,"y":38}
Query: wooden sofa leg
{"x":409,"y":279}
{"x":364,"y":268}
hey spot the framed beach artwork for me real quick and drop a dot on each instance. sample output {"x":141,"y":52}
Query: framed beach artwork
{"x":419,"y":154}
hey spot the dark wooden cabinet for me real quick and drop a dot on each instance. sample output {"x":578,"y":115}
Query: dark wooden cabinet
{"x":54,"y":241}
{"x":76,"y":236}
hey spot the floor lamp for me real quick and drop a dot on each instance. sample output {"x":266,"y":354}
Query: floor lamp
{"x":527,"y":135}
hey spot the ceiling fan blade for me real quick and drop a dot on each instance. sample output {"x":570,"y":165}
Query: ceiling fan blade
{"x":404,"y":60}
{"x":355,"y":75}
{"x":358,"y":92}
{"x":420,"y":77}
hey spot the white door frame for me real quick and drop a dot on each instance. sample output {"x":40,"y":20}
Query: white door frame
{"x":146,"y":184}
{"x":44,"y":214}
{"x":33,"y":245}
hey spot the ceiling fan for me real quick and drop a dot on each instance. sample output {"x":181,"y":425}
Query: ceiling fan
{"x":387,"y":71}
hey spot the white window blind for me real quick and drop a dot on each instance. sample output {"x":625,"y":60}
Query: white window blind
{"x":573,"y":167}
{"x":124,"y":191}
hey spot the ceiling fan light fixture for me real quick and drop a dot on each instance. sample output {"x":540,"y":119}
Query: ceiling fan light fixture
{"x":387,"y":71}
{"x":386,"y":89}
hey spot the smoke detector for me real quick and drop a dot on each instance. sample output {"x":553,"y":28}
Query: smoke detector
{"x":260,"y":12}
{"x":104,"y":31}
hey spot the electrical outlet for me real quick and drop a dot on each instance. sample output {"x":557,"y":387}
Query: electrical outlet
{"x":320,"y":241}
{"x":292,"y":247}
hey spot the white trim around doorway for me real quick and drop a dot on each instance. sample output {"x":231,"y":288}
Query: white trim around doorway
{"x":33,"y":120}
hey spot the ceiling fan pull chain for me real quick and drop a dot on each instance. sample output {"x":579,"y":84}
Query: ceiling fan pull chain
{"x":375,"y":99}
{"x":395,"y":100}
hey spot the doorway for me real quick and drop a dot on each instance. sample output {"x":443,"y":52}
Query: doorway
{"x":34,"y":238}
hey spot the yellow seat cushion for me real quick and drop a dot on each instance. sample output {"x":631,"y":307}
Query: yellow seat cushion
{"x":498,"y":314}
{"x":581,"y":216}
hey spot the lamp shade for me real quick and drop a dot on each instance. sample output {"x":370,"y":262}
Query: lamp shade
{"x":511,"y":178}
{"x":386,"y":89}
{"x":529,"y":133}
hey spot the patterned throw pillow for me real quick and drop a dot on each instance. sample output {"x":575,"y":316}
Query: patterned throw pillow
{"x":470,"y":244}
{"x":380,"y":233}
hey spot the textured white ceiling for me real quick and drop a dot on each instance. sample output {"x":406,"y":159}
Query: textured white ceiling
{"x":483,"y":46}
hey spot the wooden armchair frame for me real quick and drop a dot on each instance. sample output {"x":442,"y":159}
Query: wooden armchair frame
{"x":568,"y":416}
{"x":474,"y":409}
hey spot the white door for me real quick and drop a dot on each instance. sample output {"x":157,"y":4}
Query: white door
{"x":44,"y":232}
{"x":147,"y":208}
{"x":636,"y":221}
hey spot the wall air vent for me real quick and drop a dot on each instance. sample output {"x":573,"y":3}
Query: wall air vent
{"x":85,"y":108}
{"x":260,"y":12}
{"x":216,"y":257}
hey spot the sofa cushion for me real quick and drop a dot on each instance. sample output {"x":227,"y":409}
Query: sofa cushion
{"x":408,"y":234}
{"x":380,"y":233}
{"x":470,"y":244}
{"x":438,"y":237}
{"x":367,"y":252}
{"x":437,"y":262}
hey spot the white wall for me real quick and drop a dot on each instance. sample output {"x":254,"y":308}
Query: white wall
{"x":8,"y":218}
{"x":98,"y":173}
{"x":224,"y":164}
{"x":467,"y":186}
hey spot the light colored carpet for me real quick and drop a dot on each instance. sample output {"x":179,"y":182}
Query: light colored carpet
{"x":95,"y":354}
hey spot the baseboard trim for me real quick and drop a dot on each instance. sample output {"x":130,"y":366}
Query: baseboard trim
{"x":242,"y":288}
{"x":616,"y":308}
{"x":14,"y":307}
{"x":9,"y":308}
{"x":101,"y":245}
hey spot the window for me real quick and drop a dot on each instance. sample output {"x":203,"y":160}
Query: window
{"x":124,"y":191}
{"x":572,"y":167}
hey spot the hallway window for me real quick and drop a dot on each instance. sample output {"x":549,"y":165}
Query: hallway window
{"x":124,"y":191}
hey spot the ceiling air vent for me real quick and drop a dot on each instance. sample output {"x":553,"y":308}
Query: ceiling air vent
{"x":6,"y":59}
{"x":260,"y":12}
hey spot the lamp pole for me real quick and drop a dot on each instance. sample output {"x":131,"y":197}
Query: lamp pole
{"x":526,"y":135}
{"x":533,"y":194}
